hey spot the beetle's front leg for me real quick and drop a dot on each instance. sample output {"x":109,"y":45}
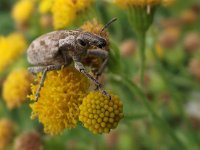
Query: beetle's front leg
{"x":102,"y":54}
{"x":79,"y":66}
{"x":44,"y":70}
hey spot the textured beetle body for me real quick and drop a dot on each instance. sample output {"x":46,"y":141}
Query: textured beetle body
{"x":59,"y":46}
{"x":45,"y":50}
{"x":52,"y":50}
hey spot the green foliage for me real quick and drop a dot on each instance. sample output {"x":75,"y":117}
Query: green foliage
{"x":155,"y":114}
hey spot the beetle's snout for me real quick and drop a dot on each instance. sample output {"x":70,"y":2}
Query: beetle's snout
{"x":94,"y":40}
{"x":101,"y":43}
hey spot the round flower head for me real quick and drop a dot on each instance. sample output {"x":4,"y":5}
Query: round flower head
{"x":9,"y":52}
{"x":100,"y":114}
{"x":6,"y":132}
{"x":28,"y":141}
{"x":58,"y":105}
{"x":16,"y":87}
{"x":65,"y":12}
{"x":22,"y":11}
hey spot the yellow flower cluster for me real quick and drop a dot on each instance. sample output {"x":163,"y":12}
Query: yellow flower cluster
{"x":128,"y":3}
{"x":16,"y":87}
{"x":9,"y":51}
{"x":6,"y":133}
{"x":66,"y":11}
{"x":22,"y":11}
{"x":99,"y":114}
{"x":58,"y":105}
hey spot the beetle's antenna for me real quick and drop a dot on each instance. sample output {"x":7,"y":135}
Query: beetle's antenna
{"x":108,"y":24}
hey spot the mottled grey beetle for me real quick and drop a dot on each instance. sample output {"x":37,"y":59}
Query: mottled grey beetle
{"x":53,"y":50}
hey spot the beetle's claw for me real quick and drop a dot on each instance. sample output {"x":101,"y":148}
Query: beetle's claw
{"x":106,"y":94}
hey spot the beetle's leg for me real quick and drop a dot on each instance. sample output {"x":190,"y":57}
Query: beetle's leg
{"x":102,"y":54}
{"x":38,"y":69}
{"x":79,"y":66}
{"x":44,"y":70}
{"x":37,"y":94}
{"x":35,"y":70}
{"x":66,"y":58}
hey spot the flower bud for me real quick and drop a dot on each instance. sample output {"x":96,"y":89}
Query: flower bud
{"x":194,"y":68}
{"x":28,"y":141}
{"x":169,"y":37}
{"x":128,"y":48}
{"x":192,"y":42}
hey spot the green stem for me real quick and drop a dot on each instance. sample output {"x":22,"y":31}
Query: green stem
{"x":142,"y":46}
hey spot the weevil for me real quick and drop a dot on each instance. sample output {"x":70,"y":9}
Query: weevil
{"x":60,"y":48}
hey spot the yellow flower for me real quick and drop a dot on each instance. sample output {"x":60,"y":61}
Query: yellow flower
{"x":66,"y":11}
{"x":6,"y":133}
{"x":63,"y":13}
{"x":58,"y":105}
{"x":99,"y":114}
{"x":168,"y":2}
{"x":82,"y":4}
{"x":8,"y":51}
{"x":16,"y":87}
{"x":22,"y":11}
{"x":45,"y":6}
{"x":128,"y":3}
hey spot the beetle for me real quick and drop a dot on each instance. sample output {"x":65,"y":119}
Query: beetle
{"x":60,"y":48}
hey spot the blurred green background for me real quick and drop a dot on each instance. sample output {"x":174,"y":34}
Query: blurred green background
{"x":165,"y":116}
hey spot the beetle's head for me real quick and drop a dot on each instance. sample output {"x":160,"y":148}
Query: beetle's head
{"x":87,"y":39}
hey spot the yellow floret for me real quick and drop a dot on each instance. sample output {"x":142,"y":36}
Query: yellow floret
{"x":8,"y":51}
{"x":58,"y":105}
{"x":65,"y":12}
{"x":6,"y":133}
{"x":100,"y":114}
{"x":45,"y":6}
{"x":16,"y":87}
{"x":81,"y":5}
{"x":23,"y":10}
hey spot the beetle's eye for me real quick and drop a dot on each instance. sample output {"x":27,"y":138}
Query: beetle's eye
{"x":81,"y":42}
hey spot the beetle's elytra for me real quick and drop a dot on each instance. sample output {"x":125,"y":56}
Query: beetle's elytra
{"x":53,"y":50}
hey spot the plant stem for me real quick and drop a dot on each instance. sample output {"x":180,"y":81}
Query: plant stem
{"x":142,"y":46}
